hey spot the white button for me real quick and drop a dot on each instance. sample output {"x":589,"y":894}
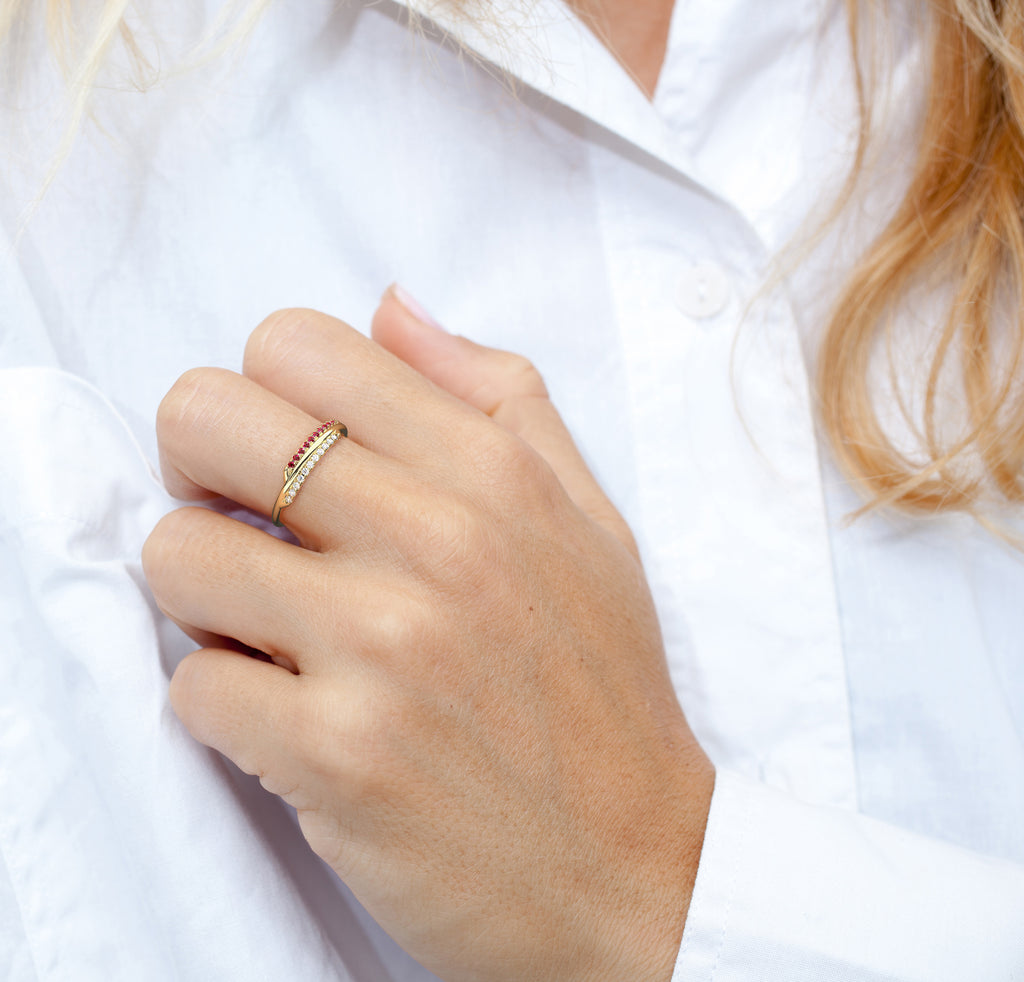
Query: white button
{"x":702,"y":290}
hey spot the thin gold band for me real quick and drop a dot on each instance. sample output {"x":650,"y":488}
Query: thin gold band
{"x":303,"y":461}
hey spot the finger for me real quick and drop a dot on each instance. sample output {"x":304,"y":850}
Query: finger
{"x":207,"y":639}
{"x":251,"y":711}
{"x":221,"y":432}
{"x":223,"y":578}
{"x":505,"y":386}
{"x":319,"y":363}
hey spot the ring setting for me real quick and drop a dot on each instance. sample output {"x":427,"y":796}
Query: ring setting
{"x":303,"y":461}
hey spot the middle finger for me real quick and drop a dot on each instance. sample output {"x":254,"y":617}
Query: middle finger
{"x":316,"y":362}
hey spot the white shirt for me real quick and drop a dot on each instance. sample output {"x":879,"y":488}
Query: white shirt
{"x":859,"y":687}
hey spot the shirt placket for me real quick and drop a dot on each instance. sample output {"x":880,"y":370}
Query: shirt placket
{"x":731,"y":510}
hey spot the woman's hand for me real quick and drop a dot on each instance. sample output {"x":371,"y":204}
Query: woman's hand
{"x":468,"y":703}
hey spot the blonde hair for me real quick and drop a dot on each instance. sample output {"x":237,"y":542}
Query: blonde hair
{"x":86,"y":36}
{"x":961,"y":223}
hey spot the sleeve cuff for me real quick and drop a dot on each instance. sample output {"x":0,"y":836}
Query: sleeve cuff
{"x":788,"y":891}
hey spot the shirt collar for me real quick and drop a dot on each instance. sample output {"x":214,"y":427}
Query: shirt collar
{"x":545,"y":46}
{"x":720,"y":113}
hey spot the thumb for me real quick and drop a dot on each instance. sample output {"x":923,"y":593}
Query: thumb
{"x":505,"y":386}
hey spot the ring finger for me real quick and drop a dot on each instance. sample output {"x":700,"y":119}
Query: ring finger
{"x":223,"y":434}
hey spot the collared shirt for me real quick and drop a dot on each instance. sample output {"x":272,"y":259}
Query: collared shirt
{"x":860,"y":687}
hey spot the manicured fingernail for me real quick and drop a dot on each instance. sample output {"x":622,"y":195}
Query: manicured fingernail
{"x":413,"y":306}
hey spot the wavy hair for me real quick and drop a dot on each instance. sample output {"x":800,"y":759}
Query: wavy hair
{"x":960,"y":229}
{"x":960,"y":225}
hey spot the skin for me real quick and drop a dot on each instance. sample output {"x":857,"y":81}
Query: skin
{"x":467,"y":700}
{"x":635,"y":31}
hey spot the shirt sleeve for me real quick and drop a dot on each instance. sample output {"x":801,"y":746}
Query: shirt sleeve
{"x":788,"y":892}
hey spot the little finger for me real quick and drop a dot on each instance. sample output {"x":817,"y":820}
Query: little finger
{"x":248,"y":710}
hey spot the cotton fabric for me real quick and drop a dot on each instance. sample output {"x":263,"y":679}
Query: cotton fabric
{"x":860,"y":687}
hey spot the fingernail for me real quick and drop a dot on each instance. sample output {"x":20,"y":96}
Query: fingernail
{"x":413,"y":306}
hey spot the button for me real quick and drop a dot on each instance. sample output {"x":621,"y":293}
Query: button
{"x":702,"y":290}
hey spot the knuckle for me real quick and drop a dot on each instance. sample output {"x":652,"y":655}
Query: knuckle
{"x":343,"y":739}
{"x":617,"y":525}
{"x":513,"y":467}
{"x":160,"y":550}
{"x":521,"y":375}
{"x":184,"y":682}
{"x":284,"y":785}
{"x":441,"y":527}
{"x":167,"y":551}
{"x":532,"y":418}
{"x":276,"y":339}
{"x":457,"y":537}
{"x":515,"y":414}
{"x":396,"y":628}
{"x":510,"y":375}
{"x":188,"y":401}
{"x":198,"y":698}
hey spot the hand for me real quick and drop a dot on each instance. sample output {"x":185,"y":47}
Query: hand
{"x":468,"y":703}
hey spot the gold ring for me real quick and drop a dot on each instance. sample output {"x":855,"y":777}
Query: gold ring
{"x":303,"y":461}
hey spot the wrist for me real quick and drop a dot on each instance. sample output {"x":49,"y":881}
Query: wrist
{"x":658,"y":866}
